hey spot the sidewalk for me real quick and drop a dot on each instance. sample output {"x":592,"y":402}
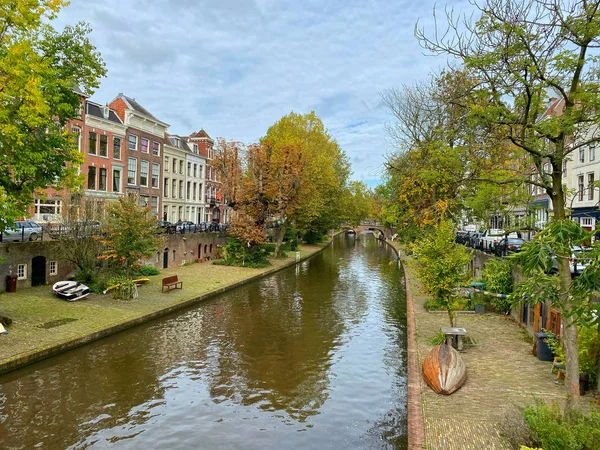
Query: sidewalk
{"x":44,"y":325}
{"x":501,"y":373}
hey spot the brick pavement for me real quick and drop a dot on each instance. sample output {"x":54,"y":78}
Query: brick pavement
{"x":501,"y":373}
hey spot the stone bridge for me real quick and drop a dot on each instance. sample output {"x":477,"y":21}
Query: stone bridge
{"x":386,"y":232}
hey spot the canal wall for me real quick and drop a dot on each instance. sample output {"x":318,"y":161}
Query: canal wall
{"x":29,"y":342}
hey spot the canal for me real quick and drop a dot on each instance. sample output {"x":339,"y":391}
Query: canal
{"x":312,"y":357}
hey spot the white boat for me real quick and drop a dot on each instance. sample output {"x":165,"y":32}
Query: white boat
{"x":70,"y":290}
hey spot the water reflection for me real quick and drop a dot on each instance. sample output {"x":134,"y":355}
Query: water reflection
{"x":311,"y":357}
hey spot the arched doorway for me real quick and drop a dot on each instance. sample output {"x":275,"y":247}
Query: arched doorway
{"x":38,"y":271}
{"x":199,"y":251}
{"x":166,"y":259}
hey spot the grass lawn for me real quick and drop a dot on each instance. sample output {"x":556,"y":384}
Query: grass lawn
{"x":43,"y":322}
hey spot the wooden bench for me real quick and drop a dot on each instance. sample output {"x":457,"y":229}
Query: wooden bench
{"x":171,"y":283}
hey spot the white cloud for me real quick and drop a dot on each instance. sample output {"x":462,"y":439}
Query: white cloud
{"x":234,"y":67}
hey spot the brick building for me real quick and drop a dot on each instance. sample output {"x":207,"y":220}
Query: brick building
{"x":144,"y":142}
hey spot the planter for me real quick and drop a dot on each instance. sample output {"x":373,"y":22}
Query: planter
{"x":543,"y":351}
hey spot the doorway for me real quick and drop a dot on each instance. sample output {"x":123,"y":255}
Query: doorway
{"x":38,"y":271}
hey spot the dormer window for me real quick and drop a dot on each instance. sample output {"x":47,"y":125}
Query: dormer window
{"x":105,"y":111}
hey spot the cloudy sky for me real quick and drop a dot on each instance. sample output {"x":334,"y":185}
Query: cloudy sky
{"x":234,"y":67}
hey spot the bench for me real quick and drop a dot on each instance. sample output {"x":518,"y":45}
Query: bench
{"x":171,"y":283}
{"x":453,"y":335}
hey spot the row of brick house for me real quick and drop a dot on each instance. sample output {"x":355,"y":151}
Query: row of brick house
{"x":128,"y":150}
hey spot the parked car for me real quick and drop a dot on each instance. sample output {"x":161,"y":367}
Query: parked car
{"x":165,"y":226}
{"x":508,"y":245}
{"x":185,"y":226}
{"x":75,"y":229}
{"x":24,"y":230}
{"x":578,"y":261}
{"x":462,"y":236}
{"x":473,"y":239}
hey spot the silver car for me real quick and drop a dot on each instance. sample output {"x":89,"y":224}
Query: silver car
{"x":22,"y":231}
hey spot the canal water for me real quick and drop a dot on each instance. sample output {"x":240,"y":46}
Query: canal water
{"x":312,"y":357}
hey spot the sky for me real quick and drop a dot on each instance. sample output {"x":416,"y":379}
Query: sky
{"x":234,"y":67}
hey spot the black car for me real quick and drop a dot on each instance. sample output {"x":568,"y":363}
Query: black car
{"x":508,"y":245}
{"x":473,"y":239}
{"x":462,"y":236}
{"x":165,"y":226}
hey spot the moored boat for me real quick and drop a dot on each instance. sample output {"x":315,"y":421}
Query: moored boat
{"x":444,"y":370}
{"x":70,"y":290}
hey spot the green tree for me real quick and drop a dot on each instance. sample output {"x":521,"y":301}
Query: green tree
{"x":129,"y":235}
{"x":441,"y":265}
{"x":520,"y":51}
{"x":40,"y":69}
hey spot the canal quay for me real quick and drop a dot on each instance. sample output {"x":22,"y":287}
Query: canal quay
{"x":312,"y":356}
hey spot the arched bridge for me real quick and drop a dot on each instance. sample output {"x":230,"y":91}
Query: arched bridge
{"x":385,"y":231}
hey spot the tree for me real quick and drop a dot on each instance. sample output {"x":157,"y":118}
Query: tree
{"x":442,"y":265}
{"x":129,"y":234}
{"x":305,"y":165}
{"x":519,"y":51}
{"x":40,"y":69}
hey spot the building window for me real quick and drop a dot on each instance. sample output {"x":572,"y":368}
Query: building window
{"x":181,"y":166}
{"x":194,"y":192}
{"x":587,"y":222}
{"x":154,"y":203}
{"x":189,"y":169}
{"x":144,"y":200}
{"x":188,"y":193}
{"x":132,"y":142}
{"x":180,"y":189}
{"x":590,"y":186}
{"x":166,"y":187}
{"x":144,"y":146}
{"x":77,"y":136}
{"x":155,"y":148}
{"x":174,"y":165}
{"x":564,"y":168}
{"x":116,"y":177}
{"x":131,"y":171}
{"x":580,"y":187}
{"x":174,"y":189}
{"x":592,"y":152}
{"x":116,"y":147}
{"x":104,"y":145}
{"x":195,"y":148}
{"x":195,"y":170}
{"x":53,"y":268}
{"x":92,"y":140}
{"x":91,"y":178}
{"x":155,"y":175}
{"x":581,"y":154}
{"x":45,"y":209}
{"x":22,"y":272}
{"x":102,"y":180}
{"x":144,"y":173}
{"x":167,"y":162}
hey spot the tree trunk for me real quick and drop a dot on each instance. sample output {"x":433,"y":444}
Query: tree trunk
{"x":452,"y":317}
{"x":598,"y":375}
{"x":564,"y":274}
{"x":280,"y":237}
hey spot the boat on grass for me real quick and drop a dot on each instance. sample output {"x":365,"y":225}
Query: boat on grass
{"x":444,"y":370}
{"x":71,"y":290}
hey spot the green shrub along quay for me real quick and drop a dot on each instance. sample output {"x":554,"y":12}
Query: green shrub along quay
{"x":44,"y":325}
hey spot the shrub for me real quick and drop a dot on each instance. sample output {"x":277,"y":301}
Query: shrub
{"x":589,"y":351}
{"x":514,"y":430}
{"x":148,"y":270}
{"x":235,"y":253}
{"x":121,"y":288}
{"x":312,"y":237}
{"x":550,"y":431}
{"x":438,"y":339}
{"x":497,"y":276}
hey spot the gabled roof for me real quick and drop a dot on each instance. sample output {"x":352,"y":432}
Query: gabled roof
{"x":134,"y":105}
{"x":555,"y":107}
{"x":94,"y":109}
{"x":77,"y":89}
{"x":200,"y":134}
